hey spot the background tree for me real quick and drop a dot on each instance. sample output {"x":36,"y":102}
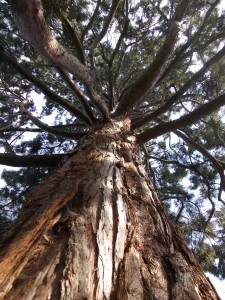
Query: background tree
{"x":146,"y":75}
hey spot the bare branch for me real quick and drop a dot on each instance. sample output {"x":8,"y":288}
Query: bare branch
{"x":113,"y":56}
{"x":146,"y":82}
{"x":186,"y":120}
{"x":179,"y":214}
{"x":107,"y":22}
{"x":28,"y":129}
{"x":157,"y":7}
{"x":53,"y":130}
{"x":91,"y":20}
{"x":78,"y":93}
{"x":31,"y":160}
{"x":173,"y":162}
{"x":181,"y":9}
{"x":120,"y":40}
{"x":5,"y":127}
{"x":45,"y":90}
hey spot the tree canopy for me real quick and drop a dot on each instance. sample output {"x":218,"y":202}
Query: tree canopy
{"x":76,"y":64}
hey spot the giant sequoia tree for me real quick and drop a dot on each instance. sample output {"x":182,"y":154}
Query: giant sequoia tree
{"x":131,"y":90}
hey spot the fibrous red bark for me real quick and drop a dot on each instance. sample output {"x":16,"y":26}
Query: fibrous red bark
{"x":97,"y":230}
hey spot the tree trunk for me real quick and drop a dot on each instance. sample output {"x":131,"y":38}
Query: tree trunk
{"x":96,"y":230}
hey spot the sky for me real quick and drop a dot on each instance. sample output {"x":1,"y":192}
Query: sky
{"x":218,"y":284}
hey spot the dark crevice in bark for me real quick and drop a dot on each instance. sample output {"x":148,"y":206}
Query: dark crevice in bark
{"x":98,"y":218}
{"x":120,"y":279}
{"x":171,"y":276}
{"x":115,"y":229}
{"x":59,"y":273}
{"x":78,"y":201}
{"x":146,"y":288}
{"x":147,"y":292}
{"x":95,"y":264}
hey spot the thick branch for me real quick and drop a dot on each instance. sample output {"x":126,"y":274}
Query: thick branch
{"x":9,"y":128}
{"x":31,"y":160}
{"x":146,"y":82}
{"x":45,"y":90}
{"x":190,"y":40}
{"x":171,"y":101}
{"x":181,"y":10}
{"x":186,"y":120}
{"x":74,"y":37}
{"x":31,"y":22}
{"x":136,"y":93}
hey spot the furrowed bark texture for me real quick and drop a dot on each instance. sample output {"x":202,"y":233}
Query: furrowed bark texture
{"x":96,"y":230}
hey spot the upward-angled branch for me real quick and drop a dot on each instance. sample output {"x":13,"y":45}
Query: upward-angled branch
{"x":120,"y":40}
{"x":191,"y":40}
{"x":146,"y":82}
{"x":45,"y":90}
{"x":77,"y":92}
{"x":73,"y":36}
{"x":186,"y":120}
{"x":91,"y":20}
{"x":161,"y":13}
{"x":112,"y":77}
{"x":181,"y":10}
{"x":31,"y":22}
{"x":136,"y":93}
{"x":171,"y":101}
{"x":107,"y":22}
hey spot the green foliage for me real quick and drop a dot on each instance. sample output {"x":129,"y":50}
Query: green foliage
{"x":17,"y":188}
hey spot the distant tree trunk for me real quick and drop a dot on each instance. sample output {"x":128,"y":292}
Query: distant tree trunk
{"x":96,"y":230}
